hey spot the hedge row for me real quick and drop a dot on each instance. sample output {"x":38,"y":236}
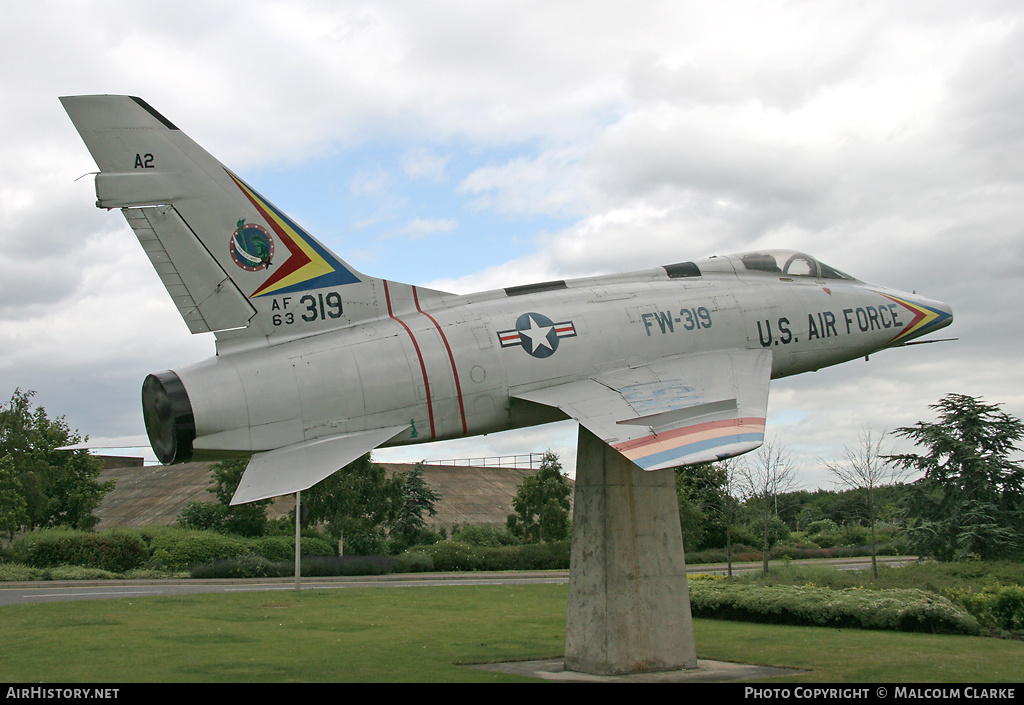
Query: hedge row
{"x":453,"y":555}
{"x":312,"y":566}
{"x":165,"y":548}
{"x":854,"y":608}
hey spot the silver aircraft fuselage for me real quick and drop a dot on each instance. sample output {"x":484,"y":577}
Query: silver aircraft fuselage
{"x":453,"y":370}
{"x":318,"y":363}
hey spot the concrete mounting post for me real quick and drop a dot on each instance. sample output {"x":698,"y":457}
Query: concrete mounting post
{"x":629,"y":604}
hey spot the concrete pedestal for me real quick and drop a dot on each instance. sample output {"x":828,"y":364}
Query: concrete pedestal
{"x":629,"y":605}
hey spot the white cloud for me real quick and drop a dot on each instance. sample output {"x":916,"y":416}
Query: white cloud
{"x":884,"y":138}
{"x":425,"y":164}
{"x":422,"y":227}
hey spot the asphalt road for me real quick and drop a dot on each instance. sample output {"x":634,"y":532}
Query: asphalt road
{"x":57,"y":591}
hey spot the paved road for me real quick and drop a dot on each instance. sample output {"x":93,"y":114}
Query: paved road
{"x":56,"y":591}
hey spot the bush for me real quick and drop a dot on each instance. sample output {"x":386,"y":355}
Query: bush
{"x":455,"y":556}
{"x":152,"y":548}
{"x":114,"y":551}
{"x":281,"y":548}
{"x":344,"y":565}
{"x":553,"y":555}
{"x":18,"y":572}
{"x":313,"y":566}
{"x":413,"y":562}
{"x":180,"y":549}
{"x":855,"y":535}
{"x":996,"y":607}
{"x":77,"y":572}
{"x":898,"y":610}
{"x":823,"y":526}
{"x":451,"y":556}
{"x":242,"y":567}
{"x":484,"y":536}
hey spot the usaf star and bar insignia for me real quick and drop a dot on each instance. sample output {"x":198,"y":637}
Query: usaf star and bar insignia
{"x":536,"y":334}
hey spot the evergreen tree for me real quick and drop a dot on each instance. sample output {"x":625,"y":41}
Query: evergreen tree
{"x":970,"y":499}
{"x":541,"y":504}
{"x":418,"y":500}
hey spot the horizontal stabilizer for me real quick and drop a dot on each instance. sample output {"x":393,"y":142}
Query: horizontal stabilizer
{"x":119,"y":442}
{"x":679,"y":411}
{"x":298,"y":467}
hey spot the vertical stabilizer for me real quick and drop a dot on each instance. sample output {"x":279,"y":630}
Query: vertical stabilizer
{"x":232,"y":262}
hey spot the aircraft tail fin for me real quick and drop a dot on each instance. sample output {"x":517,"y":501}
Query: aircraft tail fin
{"x":232,"y":262}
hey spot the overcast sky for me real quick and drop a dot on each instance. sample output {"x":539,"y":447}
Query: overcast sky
{"x":471,"y":145}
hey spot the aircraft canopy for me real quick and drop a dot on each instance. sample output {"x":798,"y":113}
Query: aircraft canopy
{"x":787,"y":263}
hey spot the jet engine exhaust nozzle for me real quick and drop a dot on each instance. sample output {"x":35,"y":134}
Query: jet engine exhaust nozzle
{"x":170,"y":423}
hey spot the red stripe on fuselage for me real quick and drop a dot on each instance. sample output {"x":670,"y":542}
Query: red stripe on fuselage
{"x":451,"y":358}
{"x":423,"y":364}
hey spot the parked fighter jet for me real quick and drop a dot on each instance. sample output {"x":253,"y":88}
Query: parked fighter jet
{"x":318,"y":363}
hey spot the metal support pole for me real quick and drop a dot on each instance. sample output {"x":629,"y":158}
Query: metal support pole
{"x":298,"y":540}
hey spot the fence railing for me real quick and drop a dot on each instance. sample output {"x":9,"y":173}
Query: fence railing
{"x":526,"y":460}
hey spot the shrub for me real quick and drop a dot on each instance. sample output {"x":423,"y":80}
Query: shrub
{"x":899,"y":610}
{"x":180,"y":549}
{"x":77,"y":572}
{"x":344,"y":565}
{"x":19,"y":572}
{"x":996,"y":607}
{"x":413,"y":562}
{"x":855,"y":535}
{"x":452,"y":556}
{"x":822,"y":526}
{"x":114,"y":551}
{"x":313,"y":566}
{"x":282,"y":548}
{"x":553,"y":555}
{"x":242,"y":567}
{"x":484,"y":536}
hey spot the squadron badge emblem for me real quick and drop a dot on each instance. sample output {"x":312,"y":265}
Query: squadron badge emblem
{"x":252,"y":247}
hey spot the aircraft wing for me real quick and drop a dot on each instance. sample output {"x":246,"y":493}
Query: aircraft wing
{"x":298,"y":467}
{"x":677,"y":411}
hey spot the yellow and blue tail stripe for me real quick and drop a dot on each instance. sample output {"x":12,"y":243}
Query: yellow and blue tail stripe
{"x":309,"y":266}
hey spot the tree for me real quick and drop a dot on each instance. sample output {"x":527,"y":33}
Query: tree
{"x":703,"y":501}
{"x":356,"y":505}
{"x":58,"y":487}
{"x":13,"y":508}
{"x":867,"y":468}
{"x":970,"y":499}
{"x":541,"y":504}
{"x":761,"y":480}
{"x":248,"y":519}
{"x":417,"y":499}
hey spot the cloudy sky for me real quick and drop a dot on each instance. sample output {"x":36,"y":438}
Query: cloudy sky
{"x":470,"y":145}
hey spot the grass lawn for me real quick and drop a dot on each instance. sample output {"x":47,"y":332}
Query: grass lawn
{"x":419,"y":634}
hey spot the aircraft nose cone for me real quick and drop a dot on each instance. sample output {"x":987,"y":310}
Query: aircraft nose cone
{"x":947,"y":312}
{"x":938,"y":315}
{"x":925,"y":316}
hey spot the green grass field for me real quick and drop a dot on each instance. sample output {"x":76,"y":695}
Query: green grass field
{"x":420,"y":634}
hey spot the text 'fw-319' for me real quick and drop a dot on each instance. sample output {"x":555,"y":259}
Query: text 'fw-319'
{"x":318,"y":364}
